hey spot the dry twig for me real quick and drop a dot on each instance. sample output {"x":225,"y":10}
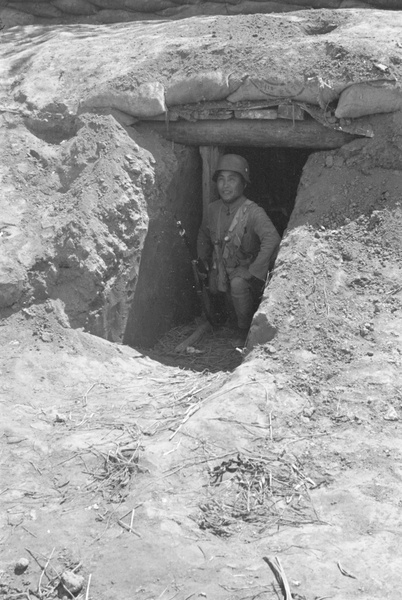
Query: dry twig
{"x":344,"y":572}
{"x":44,"y":572}
{"x":88,"y":584}
{"x":280,"y":576}
{"x":260,"y":490}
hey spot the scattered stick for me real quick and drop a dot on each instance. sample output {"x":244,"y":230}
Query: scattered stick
{"x":88,"y":584}
{"x":345,"y":573}
{"x":280,"y":576}
{"x":35,"y":467}
{"x":67,"y":459}
{"x":394,"y":290}
{"x":128,"y":528}
{"x":132,"y":518}
{"x":34,"y":557}
{"x":85,"y":396}
{"x":131,"y":510}
{"x":173,"y":449}
{"x":174,"y":470}
{"x":193,"y":409}
{"x":67,"y":590}
{"x":44,"y":572}
{"x":30,"y":532}
{"x":194,"y":337}
{"x":270,"y":426}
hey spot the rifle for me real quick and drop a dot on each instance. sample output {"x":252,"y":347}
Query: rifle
{"x":200,"y":274}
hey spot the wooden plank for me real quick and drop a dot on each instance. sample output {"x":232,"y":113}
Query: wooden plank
{"x":222,"y":115}
{"x":174,"y":114}
{"x":280,"y":133}
{"x":210,"y":156}
{"x":194,"y":337}
{"x":167,"y":118}
{"x":269,"y":114}
{"x":290,"y":111}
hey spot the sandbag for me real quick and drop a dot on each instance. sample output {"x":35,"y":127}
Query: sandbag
{"x":255,"y":7}
{"x":147,"y":100}
{"x":187,"y":2}
{"x":369,"y":98}
{"x":317,"y":3}
{"x":135,"y":5}
{"x":315,"y":91}
{"x":39,"y":9}
{"x":75,"y":7}
{"x":207,"y":86}
{"x":392,"y":4}
{"x":13,"y":18}
{"x":109,"y":15}
{"x":194,"y":10}
{"x":354,"y":4}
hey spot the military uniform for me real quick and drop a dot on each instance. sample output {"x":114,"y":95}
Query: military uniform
{"x":242,"y":238}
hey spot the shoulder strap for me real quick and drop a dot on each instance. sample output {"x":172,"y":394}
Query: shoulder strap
{"x":236,"y":230}
{"x":239,"y":217}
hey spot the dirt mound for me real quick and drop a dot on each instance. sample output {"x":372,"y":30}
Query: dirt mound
{"x":162,"y":481}
{"x":279,"y":52}
{"x":83,"y":188}
{"x":180,"y":482}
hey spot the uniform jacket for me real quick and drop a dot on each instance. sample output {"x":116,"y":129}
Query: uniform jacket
{"x":259,"y":242}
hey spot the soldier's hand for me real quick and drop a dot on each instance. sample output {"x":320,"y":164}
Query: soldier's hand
{"x":257,"y":285}
{"x":202,"y":266}
{"x":242,"y":272}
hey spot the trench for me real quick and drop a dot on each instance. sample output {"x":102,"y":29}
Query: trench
{"x":169,"y":302}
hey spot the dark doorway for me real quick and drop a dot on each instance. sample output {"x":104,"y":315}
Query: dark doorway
{"x":165,"y":303}
{"x":275,"y":175}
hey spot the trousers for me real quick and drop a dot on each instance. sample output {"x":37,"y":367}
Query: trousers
{"x":245,"y":295}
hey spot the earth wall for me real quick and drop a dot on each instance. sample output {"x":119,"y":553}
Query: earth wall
{"x":346,"y":219}
{"x":81,"y":187}
{"x":77,"y":203}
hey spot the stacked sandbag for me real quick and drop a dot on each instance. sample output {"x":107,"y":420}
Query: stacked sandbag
{"x":324,"y":60}
{"x":141,"y":6}
{"x":145,"y":101}
{"x":314,"y":91}
{"x":369,"y":98}
{"x":200,"y":87}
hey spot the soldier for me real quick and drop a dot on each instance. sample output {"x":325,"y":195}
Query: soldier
{"x":237,"y":241}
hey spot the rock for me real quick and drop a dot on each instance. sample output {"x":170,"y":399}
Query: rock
{"x":21,"y":565}
{"x":391,"y":414}
{"x":72,"y":582}
{"x":60,"y":418}
{"x":46,"y":336}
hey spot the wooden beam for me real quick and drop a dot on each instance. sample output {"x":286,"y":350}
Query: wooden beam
{"x":210,"y":156}
{"x":268,"y":134}
{"x":268,"y":113}
{"x":293,"y":112}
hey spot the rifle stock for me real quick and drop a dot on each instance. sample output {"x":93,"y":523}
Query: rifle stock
{"x":199,"y":280}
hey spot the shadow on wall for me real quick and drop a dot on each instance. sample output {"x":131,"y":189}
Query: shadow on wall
{"x":165,"y":295}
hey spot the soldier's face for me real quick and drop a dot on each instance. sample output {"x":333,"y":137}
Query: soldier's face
{"x":230,"y":186}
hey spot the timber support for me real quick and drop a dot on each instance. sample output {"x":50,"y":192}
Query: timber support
{"x":279,"y":133}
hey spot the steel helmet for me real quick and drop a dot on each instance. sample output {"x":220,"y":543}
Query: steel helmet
{"x":233,"y":162}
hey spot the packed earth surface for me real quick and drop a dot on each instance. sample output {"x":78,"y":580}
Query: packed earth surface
{"x":139,"y":472}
